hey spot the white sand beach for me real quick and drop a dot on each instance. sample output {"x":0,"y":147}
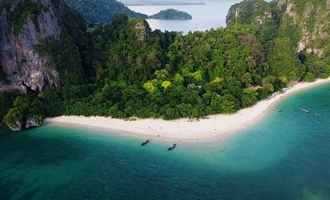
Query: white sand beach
{"x":214,"y":126}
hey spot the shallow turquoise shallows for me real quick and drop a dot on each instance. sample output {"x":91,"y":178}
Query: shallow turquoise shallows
{"x":284,"y":157}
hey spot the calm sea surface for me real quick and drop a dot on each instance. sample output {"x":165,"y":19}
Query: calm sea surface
{"x":284,"y":157}
{"x":211,"y":15}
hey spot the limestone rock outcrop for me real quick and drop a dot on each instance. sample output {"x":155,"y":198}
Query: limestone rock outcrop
{"x":25,"y":24}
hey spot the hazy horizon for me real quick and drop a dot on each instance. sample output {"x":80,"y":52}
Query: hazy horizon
{"x":162,"y":1}
{"x":210,"y":15}
{"x":146,"y":2}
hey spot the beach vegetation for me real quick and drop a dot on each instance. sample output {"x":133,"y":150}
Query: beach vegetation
{"x":6,"y":101}
{"x":172,"y":75}
{"x":23,"y":107}
{"x":124,"y":69}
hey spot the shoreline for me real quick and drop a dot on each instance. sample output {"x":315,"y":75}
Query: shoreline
{"x":212,"y":127}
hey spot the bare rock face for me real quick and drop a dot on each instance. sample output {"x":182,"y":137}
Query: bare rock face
{"x":142,"y":30}
{"x":311,"y":19}
{"x":29,"y":122}
{"x":23,"y":25}
{"x":250,"y":12}
{"x":33,"y":121}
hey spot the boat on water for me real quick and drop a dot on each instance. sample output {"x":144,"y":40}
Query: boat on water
{"x":145,"y":143}
{"x":304,"y":110}
{"x":171,"y":148}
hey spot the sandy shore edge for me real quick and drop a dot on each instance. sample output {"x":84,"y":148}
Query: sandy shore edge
{"x":214,"y":126}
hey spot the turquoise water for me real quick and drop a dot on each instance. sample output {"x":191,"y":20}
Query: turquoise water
{"x":284,"y":157}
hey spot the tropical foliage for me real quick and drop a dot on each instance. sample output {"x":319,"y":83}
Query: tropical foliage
{"x":124,"y":69}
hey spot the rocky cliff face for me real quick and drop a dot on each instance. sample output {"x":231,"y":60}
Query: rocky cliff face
{"x":311,"y":19}
{"x":305,"y":22}
{"x":25,"y":24}
{"x":250,"y":12}
{"x":142,"y":30}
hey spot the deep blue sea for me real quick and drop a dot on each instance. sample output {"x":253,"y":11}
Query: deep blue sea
{"x":284,"y":157}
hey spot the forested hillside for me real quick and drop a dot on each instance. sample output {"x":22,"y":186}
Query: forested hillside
{"x":289,"y":29}
{"x":127,"y":70}
{"x":101,"y":11}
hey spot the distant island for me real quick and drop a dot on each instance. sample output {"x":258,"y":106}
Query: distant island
{"x":167,"y":4}
{"x":171,"y":14}
{"x":160,"y":2}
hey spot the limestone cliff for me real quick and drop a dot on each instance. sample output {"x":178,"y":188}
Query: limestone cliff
{"x":305,"y":22}
{"x":25,"y":24}
{"x":312,"y":21}
{"x":250,"y":12}
{"x":42,"y":46}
